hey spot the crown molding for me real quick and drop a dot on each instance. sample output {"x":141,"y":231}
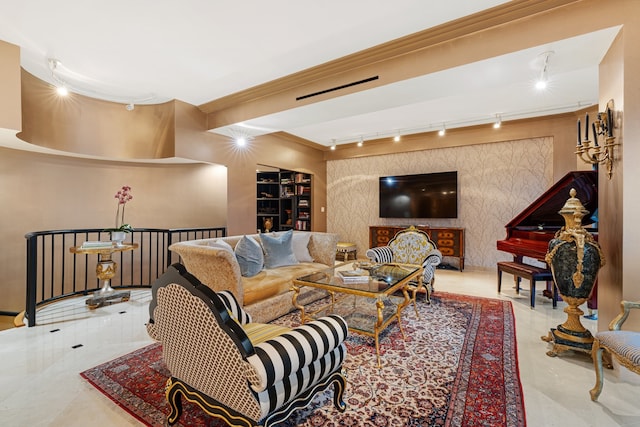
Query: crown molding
{"x":486,"y":19}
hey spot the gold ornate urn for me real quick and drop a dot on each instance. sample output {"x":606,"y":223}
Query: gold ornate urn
{"x":575,"y":258}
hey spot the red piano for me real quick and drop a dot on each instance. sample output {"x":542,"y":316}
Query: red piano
{"x":529,"y":233}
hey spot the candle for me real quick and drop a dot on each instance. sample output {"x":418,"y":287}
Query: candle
{"x":586,"y":127}
{"x":579,"y":139}
{"x":595,"y":134}
{"x":609,"y":122}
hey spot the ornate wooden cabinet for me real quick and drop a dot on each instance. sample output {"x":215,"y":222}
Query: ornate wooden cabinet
{"x":449,"y":240}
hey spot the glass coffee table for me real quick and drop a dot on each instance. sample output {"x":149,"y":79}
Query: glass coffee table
{"x":366,"y":298}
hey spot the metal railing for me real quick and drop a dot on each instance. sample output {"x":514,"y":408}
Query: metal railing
{"x":53,"y":272}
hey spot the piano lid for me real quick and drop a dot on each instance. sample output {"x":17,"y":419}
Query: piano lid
{"x":543,"y":212}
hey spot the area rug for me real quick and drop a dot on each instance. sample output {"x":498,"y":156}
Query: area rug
{"x":458,"y":367}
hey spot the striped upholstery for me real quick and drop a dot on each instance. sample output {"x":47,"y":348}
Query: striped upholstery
{"x":234,"y":308}
{"x":260,"y":332}
{"x":625,"y":344}
{"x":278,"y":358}
{"x":259,"y":371}
{"x":285,"y":390}
{"x":382,"y":254}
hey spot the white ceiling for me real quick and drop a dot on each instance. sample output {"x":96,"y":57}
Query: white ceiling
{"x":152,"y":51}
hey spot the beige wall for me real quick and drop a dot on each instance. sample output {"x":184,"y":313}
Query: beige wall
{"x":46,"y":192}
{"x":278,"y":150}
{"x":620,"y":199}
{"x":10,"y":115}
{"x":83,"y":125}
{"x":495,"y":183}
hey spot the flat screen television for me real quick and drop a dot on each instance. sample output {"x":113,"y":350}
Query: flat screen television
{"x":431,"y":195}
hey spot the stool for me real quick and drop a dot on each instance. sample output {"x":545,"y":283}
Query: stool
{"x":346,"y":249}
{"x":525,"y":271}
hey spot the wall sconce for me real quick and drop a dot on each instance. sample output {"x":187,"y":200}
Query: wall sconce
{"x":598,"y":153}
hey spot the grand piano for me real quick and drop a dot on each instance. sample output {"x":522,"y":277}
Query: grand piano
{"x":529,"y":233}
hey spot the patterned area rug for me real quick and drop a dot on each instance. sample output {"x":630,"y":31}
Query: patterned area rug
{"x":458,"y":367}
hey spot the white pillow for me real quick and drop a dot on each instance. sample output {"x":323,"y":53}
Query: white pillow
{"x":301,"y":246}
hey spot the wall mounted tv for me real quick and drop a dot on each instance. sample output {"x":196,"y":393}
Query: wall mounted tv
{"x":431,"y":195}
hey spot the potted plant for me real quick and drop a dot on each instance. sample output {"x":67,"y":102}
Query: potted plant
{"x":119,"y":232}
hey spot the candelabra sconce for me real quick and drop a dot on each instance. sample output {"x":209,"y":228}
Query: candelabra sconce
{"x":600,"y":150}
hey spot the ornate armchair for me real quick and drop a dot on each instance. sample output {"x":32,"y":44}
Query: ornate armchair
{"x":245,"y":373}
{"x":411,"y":246}
{"x":623,"y":345}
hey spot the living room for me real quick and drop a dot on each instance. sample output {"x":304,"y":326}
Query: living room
{"x":191,"y":177}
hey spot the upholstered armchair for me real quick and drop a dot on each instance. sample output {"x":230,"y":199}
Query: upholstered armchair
{"x":411,"y":246}
{"x":246,"y":373}
{"x":623,"y":345}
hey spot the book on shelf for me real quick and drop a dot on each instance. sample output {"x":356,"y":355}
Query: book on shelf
{"x":354,"y":276}
{"x":96,"y":245}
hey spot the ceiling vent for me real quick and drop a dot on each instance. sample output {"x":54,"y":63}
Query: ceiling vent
{"x":344,"y":86}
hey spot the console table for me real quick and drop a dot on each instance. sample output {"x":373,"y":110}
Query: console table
{"x":449,"y":240}
{"x":105,"y":270}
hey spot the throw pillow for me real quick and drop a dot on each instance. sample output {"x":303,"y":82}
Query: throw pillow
{"x":250,"y":257}
{"x":278,"y":250}
{"x":301,"y":246}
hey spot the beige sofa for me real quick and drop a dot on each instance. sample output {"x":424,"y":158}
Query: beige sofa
{"x":267,"y":295}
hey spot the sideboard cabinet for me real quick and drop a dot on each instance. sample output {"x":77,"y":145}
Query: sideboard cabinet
{"x":449,"y":240}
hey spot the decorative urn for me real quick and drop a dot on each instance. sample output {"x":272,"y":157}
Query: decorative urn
{"x":575,"y":259}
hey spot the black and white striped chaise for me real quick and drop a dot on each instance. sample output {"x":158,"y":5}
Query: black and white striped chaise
{"x":214,"y":363}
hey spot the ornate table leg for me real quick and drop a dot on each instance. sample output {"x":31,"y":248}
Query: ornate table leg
{"x":380,"y":307}
{"x":105,"y":270}
{"x":294,"y":302}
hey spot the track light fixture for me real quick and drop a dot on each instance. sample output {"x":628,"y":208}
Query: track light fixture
{"x":64,"y":86}
{"x":61,"y":86}
{"x":361,"y":142}
{"x":541,"y":84}
{"x":443,"y":130}
{"x":333,"y":144}
{"x":397,"y":137}
{"x":498,"y":122}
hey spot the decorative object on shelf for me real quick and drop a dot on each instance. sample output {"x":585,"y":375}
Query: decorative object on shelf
{"x":288,"y":212}
{"x":118,"y":233}
{"x":267,"y":223}
{"x":598,"y":153}
{"x":575,"y":258}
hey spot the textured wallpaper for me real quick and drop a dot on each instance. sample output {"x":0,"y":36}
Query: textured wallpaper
{"x":495,"y":183}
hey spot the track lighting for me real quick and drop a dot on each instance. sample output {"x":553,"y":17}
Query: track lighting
{"x":361,"y":142}
{"x":541,"y":84}
{"x":498,"y":122}
{"x":397,"y":137}
{"x":333,"y":144}
{"x":442,"y":131}
{"x":74,"y":83}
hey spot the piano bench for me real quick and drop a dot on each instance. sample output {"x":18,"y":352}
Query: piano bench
{"x":525,"y":271}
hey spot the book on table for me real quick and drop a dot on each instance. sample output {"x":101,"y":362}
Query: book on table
{"x":96,"y":245}
{"x":354,"y":276}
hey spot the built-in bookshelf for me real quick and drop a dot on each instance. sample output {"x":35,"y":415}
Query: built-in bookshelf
{"x":283,"y":200}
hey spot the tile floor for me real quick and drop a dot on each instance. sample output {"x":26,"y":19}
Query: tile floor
{"x":40,"y":385}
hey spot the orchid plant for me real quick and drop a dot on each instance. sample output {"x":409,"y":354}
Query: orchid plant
{"x":123,"y":195}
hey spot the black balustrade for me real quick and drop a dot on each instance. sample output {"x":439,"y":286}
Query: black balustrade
{"x":53,"y":272}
